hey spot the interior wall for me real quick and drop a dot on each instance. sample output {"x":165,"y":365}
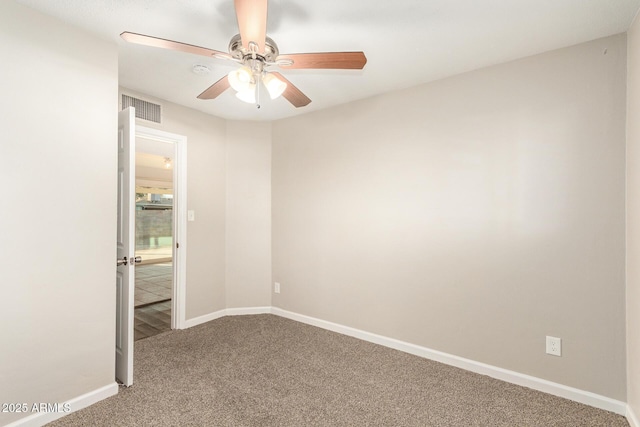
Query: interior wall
{"x":58,"y":218}
{"x":248,"y":214}
{"x":205,"y":287}
{"x":633,"y":219}
{"x":474,"y":215}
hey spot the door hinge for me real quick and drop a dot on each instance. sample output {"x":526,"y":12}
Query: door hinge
{"x":177,"y":245}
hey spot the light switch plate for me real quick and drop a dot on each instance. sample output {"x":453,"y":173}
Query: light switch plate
{"x":191,"y":216}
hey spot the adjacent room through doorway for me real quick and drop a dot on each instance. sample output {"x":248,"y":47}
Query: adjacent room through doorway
{"x":154,"y":237}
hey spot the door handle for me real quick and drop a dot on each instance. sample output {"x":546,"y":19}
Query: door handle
{"x":132,"y":260}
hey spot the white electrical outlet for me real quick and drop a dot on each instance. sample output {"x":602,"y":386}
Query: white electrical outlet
{"x":276,"y":287}
{"x":554,"y":346}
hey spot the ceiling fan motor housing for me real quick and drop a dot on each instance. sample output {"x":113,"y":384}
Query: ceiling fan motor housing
{"x":238,"y":51}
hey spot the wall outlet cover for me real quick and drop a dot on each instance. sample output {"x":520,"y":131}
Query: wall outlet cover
{"x":554,"y":346}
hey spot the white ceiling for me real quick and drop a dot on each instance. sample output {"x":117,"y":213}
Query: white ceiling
{"x":152,"y":161}
{"x":151,"y":173}
{"x":407,"y":42}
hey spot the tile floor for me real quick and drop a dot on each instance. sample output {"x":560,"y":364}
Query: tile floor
{"x":153,"y":283}
{"x":151,"y":320}
{"x":152,"y":299}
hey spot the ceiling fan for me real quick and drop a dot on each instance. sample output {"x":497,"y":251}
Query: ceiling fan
{"x":255,"y":52}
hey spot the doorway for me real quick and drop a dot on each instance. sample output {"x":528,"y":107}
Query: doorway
{"x":153,"y":237}
{"x":160,"y":232}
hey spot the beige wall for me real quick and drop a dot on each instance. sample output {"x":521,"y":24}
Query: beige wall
{"x":633,"y":218}
{"x":58,"y":215}
{"x":248,"y":217}
{"x":206,"y":136}
{"x":473,"y":215}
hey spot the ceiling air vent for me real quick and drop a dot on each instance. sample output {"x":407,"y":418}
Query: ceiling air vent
{"x":145,"y":110}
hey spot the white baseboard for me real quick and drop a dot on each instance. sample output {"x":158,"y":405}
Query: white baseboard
{"x":581,"y":396}
{"x":225,"y":312}
{"x":204,"y":319}
{"x":75,"y":404}
{"x":248,"y":310}
{"x":632,"y":418}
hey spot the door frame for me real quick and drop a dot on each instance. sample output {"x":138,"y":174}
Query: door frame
{"x":179,"y":254}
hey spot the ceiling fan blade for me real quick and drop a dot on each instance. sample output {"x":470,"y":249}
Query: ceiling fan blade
{"x":252,"y":22}
{"x":333,"y":60}
{"x":292,"y":93}
{"x":170,"y":44}
{"x":215,"y":89}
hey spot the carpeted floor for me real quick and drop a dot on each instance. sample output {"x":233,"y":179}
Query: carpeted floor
{"x":265,"y":370}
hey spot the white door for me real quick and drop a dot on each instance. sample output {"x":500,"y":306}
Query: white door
{"x":125,"y":276}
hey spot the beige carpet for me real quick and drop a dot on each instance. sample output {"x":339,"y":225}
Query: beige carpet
{"x":264,"y":370}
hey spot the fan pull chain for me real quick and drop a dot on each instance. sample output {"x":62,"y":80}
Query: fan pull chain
{"x":258,"y":93}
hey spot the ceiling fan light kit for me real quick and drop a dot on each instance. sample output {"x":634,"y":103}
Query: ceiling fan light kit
{"x":240,"y":79}
{"x":245,"y":79}
{"x":248,"y":95}
{"x":256,"y":52}
{"x":274,"y":85}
